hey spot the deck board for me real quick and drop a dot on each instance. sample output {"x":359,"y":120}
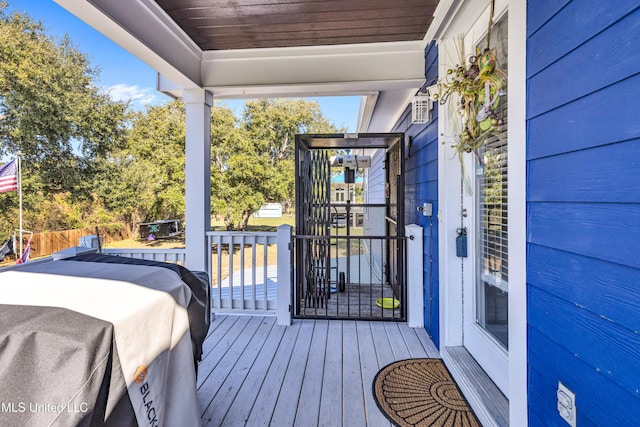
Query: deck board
{"x":381,"y":343}
{"x":239,"y":411}
{"x":223,"y":337}
{"x":331,"y":397}
{"x":270,"y":391}
{"x":370,"y":367}
{"x":398,"y":345}
{"x":353,"y":412}
{"x":314,"y":372}
{"x":428,"y":345}
{"x":232,"y":384}
{"x":209,"y":389}
{"x":285,"y":409}
{"x":413,"y":343}
{"x":217,"y":331}
{"x":309,"y":405}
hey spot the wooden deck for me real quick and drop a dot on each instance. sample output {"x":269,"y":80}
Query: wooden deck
{"x":312,"y":373}
{"x":357,"y":301}
{"x":364,"y":285}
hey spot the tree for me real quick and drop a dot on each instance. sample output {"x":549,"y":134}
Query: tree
{"x":51,"y":112}
{"x":256,"y":165}
{"x":145,"y":180}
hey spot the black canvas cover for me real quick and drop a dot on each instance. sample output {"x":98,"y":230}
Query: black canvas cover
{"x":59,"y":368}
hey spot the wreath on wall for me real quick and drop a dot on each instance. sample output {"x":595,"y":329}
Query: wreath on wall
{"x":478,"y":83}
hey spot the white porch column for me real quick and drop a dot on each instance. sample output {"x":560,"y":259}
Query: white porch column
{"x":415,"y":273}
{"x":198,"y":176}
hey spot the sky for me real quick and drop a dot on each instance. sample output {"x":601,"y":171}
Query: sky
{"x":128,"y":78}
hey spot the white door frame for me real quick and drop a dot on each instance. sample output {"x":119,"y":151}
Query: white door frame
{"x":493,"y":358}
{"x":513,"y":377}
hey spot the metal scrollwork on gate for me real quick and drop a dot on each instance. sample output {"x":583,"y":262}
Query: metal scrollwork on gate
{"x":316,"y":176}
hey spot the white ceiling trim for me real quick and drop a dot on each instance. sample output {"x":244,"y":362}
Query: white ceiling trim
{"x":293,"y":91}
{"x":367,"y":107}
{"x":389,"y":108}
{"x":350,"y":49}
{"x":380,"y":62}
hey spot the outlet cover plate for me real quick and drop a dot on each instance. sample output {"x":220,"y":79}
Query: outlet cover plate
{"x":566,"y":404}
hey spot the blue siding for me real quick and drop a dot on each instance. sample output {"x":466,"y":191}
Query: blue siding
{"x":587,"y":18}
{"x":603,"y":404}
{"x":421,"y":185}
{"x":603,"y":117}
{"x":601,"y":61}
{"x":543,"y":12}
{"x":563,"y":177}
{"x":583,"y":204}
{"x":564,"y":275}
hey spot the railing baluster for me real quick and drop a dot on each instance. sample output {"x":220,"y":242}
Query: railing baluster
{"x":231,"y":284}
{"x":209,"y":262}
{"x":219,"y":277}
{"x":265,"y":282}
{"x":242,"y":299}
{"x":254,"y":303}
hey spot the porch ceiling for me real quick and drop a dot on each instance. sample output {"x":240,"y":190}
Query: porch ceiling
{"x":253,"y":24}
{"x":277,"y":48}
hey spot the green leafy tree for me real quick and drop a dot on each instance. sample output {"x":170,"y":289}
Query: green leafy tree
{"x":50,"y":109}
{"x":257,"y":165}
{"x":145,"y":180}
{"x":51,"y":112}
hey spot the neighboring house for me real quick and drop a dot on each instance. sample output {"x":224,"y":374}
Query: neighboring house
{"x":269,"y":210}
{"x":340,"y":193}
{"x":548,"y":291}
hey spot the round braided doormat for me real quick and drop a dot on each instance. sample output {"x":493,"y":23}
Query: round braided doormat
{"x":421,"y":392}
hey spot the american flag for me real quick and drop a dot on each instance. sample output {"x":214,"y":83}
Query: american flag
{"x":9,"y":176}
{"x":26,"y":254}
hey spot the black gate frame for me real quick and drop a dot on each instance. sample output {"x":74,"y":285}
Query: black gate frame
{"x":313,"y":214}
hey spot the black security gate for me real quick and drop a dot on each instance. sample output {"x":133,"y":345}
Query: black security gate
{"x":349,"y":238}
{"x":315,"y":216}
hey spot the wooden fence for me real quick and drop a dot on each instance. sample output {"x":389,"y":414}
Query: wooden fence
{"x":44,"y":244}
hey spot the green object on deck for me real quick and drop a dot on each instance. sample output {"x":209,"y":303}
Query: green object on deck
{"x":388,"y":303}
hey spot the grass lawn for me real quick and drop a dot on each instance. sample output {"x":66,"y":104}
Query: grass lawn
{"x":258,"y":224}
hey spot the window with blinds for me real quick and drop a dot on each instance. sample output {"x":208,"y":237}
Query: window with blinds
{"x":492,"y":250}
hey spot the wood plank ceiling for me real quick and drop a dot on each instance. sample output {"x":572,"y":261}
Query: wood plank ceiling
{"x":248,"y":24}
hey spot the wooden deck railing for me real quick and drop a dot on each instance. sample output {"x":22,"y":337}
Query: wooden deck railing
{"x":175,"y":256}
{"x":243,"y":270}
{"x":251,"y":272}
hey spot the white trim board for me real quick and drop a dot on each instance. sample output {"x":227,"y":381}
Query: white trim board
{"x":517,"y":212}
